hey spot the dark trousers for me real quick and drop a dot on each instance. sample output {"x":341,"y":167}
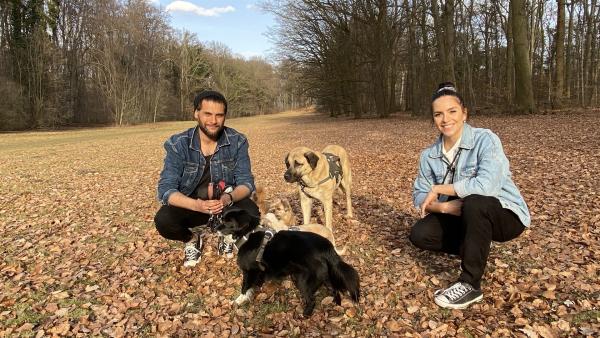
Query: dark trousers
{"x":470,"y":235}
{"x":174,"y":222}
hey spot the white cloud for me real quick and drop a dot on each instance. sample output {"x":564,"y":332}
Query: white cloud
{"x":252,"y":7}
{"x":249,"y":54}
{"x":185,"y":6}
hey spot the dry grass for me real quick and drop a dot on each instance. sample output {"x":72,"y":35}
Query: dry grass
{"x":80,"y":255}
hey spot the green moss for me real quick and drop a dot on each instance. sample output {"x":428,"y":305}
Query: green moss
{"x":195,"y":303}
{"x":24,"y":314}
{"x":586,"y":316}
{"x":446,"y":313}
{"x":265,"y":309}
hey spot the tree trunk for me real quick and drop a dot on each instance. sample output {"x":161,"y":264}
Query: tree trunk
{"x":510,"y":58}
{"x":524,"y":88}
{"x":448,"y":19}
{"x":444,"y":35}
{"x":559,"y":74}
{"x":569,"y":57}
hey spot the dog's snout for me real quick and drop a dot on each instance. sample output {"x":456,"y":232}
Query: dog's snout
{"x":288,"y":177}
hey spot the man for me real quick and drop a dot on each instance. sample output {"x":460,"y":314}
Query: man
{"x":196,"y":160}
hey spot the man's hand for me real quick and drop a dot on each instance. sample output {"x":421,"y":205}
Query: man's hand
{"x":209,"y":206}
{"x":226,"y":199}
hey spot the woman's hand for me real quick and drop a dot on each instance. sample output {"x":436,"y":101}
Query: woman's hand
{"x":453,"y":207}
{"x":432,"y":196}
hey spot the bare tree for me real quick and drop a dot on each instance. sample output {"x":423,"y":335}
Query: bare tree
{"x":523,"y":89}
{"x":559,"y":75}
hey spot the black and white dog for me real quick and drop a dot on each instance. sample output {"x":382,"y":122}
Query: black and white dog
{"x":309,"y":259}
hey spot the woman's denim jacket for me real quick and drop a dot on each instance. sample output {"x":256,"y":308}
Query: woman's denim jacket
{"x":482,"y":168}
{"x":184,"y":163}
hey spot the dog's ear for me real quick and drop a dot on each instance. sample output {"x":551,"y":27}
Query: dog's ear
{"x":233,"y":213}
{"x":246,"y":220}
{"x":287,"y":162}
{"x":254,"y":221}
{"x":312,"y":158}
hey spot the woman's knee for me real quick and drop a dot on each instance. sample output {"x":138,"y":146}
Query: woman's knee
{"x":420,"y":236}
{"x":477,"y":204}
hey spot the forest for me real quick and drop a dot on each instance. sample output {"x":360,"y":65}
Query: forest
{"x":81,"y":62}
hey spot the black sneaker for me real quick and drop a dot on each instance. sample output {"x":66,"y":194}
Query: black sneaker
{"x":458,"y":296}
{"x":193,"y":251}
{"x":225,"y":246}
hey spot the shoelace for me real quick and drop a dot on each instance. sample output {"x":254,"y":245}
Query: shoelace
{"x":456,"y":292}
{"x":227,"y":248}
{"x":191,"y":252}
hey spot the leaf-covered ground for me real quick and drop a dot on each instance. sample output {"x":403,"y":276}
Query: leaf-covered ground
{"x":79,"y":254}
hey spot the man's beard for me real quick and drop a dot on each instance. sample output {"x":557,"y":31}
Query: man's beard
{"x":213,"y":136}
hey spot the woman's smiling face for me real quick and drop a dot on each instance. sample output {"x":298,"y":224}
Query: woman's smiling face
{"x":449,"y":116}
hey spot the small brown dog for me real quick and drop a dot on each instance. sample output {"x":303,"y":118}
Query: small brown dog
{"x":319,"y":175}
{"x":280,"y":206}
{"x":278,"y":214}
{"x":283,"y":210}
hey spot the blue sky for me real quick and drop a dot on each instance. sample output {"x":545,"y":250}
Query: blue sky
{"x":239,"y":24}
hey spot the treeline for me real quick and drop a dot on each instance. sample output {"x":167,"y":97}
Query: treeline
{"x":358,"y":57}
{"x":109,"y":61}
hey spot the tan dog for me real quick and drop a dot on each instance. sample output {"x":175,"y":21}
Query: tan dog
{"x":318,"y":177}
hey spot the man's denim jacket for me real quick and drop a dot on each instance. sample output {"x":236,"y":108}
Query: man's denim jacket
{"x":482,"y":168}
{"x":184,"y":163}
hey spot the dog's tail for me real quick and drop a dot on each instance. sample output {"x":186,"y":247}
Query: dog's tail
{"x":258,"y":196}
{"x":341,"y":251}
{"x":344,"y":277}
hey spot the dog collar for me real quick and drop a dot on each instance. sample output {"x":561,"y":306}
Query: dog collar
{"x":242,"y":240}
{"x":269,"y":233}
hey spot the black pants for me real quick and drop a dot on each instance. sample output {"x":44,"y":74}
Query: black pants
{"x":174,"y":222}
{"x":470,"y":235}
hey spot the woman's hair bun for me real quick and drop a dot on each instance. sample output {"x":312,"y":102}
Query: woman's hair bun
{"x":446,"y":86}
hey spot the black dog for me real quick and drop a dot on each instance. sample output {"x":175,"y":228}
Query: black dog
{"x":309,"y":259}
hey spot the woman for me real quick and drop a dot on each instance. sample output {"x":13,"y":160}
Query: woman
{"x":466,"y":197}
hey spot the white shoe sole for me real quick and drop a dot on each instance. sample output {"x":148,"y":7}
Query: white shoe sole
{"x":457,"y":306}
{"x":190,"y":264}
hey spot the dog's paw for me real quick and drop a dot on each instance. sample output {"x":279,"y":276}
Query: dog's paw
{"x":244,"y":297}
{"x":241,"y":300}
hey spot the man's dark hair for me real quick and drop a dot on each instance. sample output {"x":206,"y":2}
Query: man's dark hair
{"x":209,"y":95}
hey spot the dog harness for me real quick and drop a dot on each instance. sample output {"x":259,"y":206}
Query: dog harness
{"x":335,"y":170}
{"x":269,"y":233}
